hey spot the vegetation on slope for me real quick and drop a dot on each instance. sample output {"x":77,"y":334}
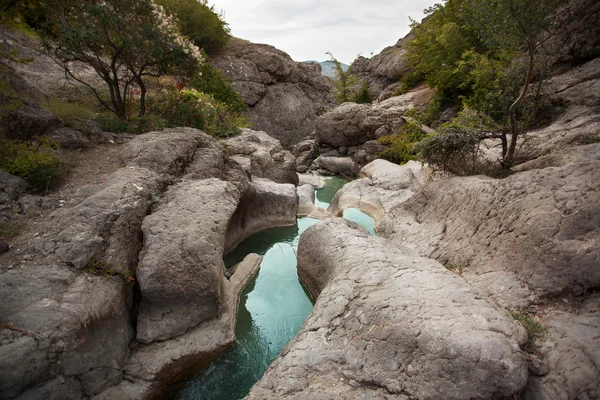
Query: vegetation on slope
{"x":484,"y":56}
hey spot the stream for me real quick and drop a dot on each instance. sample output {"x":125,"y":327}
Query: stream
{"x":273,"y":306}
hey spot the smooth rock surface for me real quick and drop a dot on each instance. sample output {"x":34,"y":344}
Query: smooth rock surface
{"x":344,"y":166}
{"x":181,"y":267}
{"x":388,"y":323}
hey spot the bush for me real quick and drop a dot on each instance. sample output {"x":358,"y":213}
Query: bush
{"x":363,"y":96}
{"x":199,"y":22}
{"x":455,"y":146}
{"x":35,"y":162}
{"x":212,"y":82}
{"x":400,"y":150}
{"x":194,"y":109}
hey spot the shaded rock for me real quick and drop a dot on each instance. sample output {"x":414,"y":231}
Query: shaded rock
{"x":570,"y":352}
{"x":305,"y":153}
{"x":98,"y":379}
{"x":262,"y":156}
{"x":4,"y":247}
{"x":367,"y":335}
{"x":284,"y":97}
{"x":338,"y":165}
{"x":181,"y":265}
{"x":306,"y":199}
{"x":59,"y":388}
{"x":28,"y":121}
{"x":268,"y":204}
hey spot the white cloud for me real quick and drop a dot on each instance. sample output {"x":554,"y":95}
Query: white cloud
{"x":306,"y":29}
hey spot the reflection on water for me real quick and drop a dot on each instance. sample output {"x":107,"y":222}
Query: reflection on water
{"x":272,"y":309}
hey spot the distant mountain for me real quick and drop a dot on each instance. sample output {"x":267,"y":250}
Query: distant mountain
{"x":328,"y":67}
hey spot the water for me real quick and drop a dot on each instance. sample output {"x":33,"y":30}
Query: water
{"x":273,"y":307}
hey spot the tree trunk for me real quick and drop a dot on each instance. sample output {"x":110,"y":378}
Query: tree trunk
{"x":509,"y":158}
{"x":142,"y":97}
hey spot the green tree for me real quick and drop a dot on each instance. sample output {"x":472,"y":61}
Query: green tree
{"x":363,"y":96}
{"x":342,"y":82}
{"x":124,"y":41}
{"x":470,"y":50}
{"x":199,"y":22}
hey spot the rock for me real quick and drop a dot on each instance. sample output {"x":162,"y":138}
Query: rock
{"x":383,"y":69}
{"x":99,"y":379}
{"x":105,"y":225}
{"x":284,"y":97}
{"x":11,"y":187}
{"x":305,"y":153}
{"x":338,"y":165}
{"x":316,"y":181}
{"x":367,"y":335}
{"x":306,"y":199}
{"x":262,"y":156}
{"x":518,"y":239}
{"x":181,"y":269}
{"x":30,"y":204}
{"x":165,"y":152}
{"x":69,"y":138}
{"x":570,"y":352}
{"x":267,"y":205}
{"x":351,"y":125}
{"x":4,"y":247}
{"x":28,"y":121}
{"x":59,"y":388}
{"x":166,"y":366}
{"x":58,"y":326}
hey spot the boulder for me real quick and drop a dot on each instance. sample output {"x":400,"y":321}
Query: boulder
{"x":262,"y":156}
{"x":305,"y":153}
{"x":69,"y":138}
{"x":11,"y":187}
{"x":388,"y":323}
{"x":338,"y":165}
{"x":268,"y":204}
{"x":181,"y":268}
{"x":306,"y":199}
{"x":284,"y":97}
{"x":316,"y":181}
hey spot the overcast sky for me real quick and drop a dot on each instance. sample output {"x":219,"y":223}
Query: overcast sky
{"x":306,"y":29}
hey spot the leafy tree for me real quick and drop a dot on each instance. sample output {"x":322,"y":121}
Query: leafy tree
{"x":470,"y":50}
{"x":342,"y":82}
{"x":199,"y":22}
{"x":124,"y":41}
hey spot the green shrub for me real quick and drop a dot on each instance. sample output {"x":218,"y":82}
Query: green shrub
{"x":400,"y":149}
{"x":212,"y":82}
{"x":199,"y":22}
{"x":111,"y":123}
{"x":363,"y":96}
{"x":194,"y":109}
{"x":455,"y":146}
{"x":35,"y":162}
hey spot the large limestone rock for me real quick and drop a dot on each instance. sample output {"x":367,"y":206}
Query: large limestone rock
{"x":262,"y":156}
{"x":284,"y":96}
{"x":344,"y":166}
{"x":60,"y":331}
{"x":181,"y":265}
{"x":390,"y":324}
